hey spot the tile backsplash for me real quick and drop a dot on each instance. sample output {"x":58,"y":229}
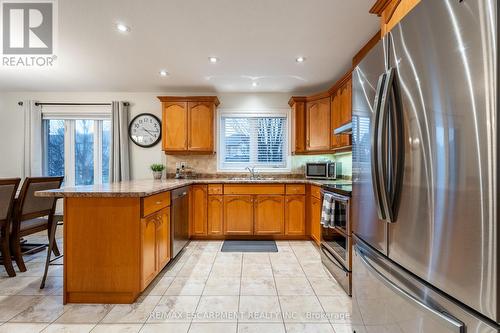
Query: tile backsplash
{"x":207,"y":164}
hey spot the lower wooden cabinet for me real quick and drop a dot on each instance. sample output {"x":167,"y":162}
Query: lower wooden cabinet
{"x":215,"y":215}
{"x":155,"y":249}
{"x":269,"y":215}
{"x":199,"y":210}
{"x":315,"y":216}
{"x":295,"y":217}
{"x":238,"y":214}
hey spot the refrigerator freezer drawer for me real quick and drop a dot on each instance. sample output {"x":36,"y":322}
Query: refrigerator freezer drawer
{"x":392,"y":299}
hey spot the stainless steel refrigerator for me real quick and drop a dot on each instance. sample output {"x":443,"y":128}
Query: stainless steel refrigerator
{"x":425,"y":173}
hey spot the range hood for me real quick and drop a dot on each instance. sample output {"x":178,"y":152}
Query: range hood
{"x":344,"y":129}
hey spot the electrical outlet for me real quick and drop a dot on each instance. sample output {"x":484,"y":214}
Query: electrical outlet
{"x":183,"y":165}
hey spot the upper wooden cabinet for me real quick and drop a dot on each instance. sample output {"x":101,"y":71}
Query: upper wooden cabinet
{"x":341,"y":113}
{"x":318,"y":125}
{"x":391,"y":12}
{"x":298,"y":121}
{"x":188,"y":124}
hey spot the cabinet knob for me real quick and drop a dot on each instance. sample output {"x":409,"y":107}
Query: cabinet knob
{"x":158,"y":202}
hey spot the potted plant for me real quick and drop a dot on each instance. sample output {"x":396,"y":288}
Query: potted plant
{"x":157,"y":169}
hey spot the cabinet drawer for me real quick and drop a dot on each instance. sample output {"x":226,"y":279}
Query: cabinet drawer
{"x":254,"y":189}
{"x":215,"y":189}
{"x":316,"y":191}
{"x":154,"y":203}
{"x":295,"y":189}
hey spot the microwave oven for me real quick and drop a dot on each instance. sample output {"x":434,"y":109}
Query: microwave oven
{"x":323,"y":170}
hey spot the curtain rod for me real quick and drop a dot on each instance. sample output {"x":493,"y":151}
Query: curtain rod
{"x":73,"y":104}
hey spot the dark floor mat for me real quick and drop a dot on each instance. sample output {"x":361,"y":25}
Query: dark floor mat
{"x":249,"y":246}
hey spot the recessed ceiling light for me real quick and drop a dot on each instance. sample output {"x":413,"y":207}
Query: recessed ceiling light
{"x":255,"y":84}
{"x":300,"y":59}
{"x":122,"y":27}
{"x":213,"y":60}
{"x":163,"y":73}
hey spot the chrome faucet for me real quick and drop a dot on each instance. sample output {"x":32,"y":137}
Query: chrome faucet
{"x":252,"y":171}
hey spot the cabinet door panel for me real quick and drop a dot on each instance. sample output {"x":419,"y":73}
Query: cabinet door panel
{"x":163,"y":238}
{"x":335,"y":118}
{"x":318,"y":125}
{"x":269,"y":215}
{"x":201,"y":126}
{"x":199,"y":210}
{"x":215,"y":214}
{"x":238,"y":215}
{"x":174,"y":129}
{"x":315,"y":219}
{"x":149,"y":259}
{"x":298,"y":128}
{"x":295,"y":215}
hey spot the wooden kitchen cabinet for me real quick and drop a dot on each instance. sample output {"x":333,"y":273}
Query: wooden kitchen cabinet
{"x":295,"y":218}
{"x":199,"y":210}
{"x":318,"y":125}
{"x":298,"y":121}
{"x":391,"y":12}
{"x":238,"y":214}
{"x":341,"y":113}
{"x":269,"y":215}
{"x":315,"y":216}
{"x":155,"y":232}
{"x":215,"y":215}
{"x":188,"y":124}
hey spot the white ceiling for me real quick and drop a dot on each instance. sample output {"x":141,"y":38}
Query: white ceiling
{"x":254,"y":39}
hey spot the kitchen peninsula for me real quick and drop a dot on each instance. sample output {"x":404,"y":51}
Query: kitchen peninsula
{"x":117,"y":237}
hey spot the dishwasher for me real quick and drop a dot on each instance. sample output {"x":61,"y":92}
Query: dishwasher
{"x":179,"y":223}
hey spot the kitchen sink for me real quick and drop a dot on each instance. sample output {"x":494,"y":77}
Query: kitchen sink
{"x":250,"y":178}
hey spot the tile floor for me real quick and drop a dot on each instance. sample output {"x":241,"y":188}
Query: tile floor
{"x":204,"y":290}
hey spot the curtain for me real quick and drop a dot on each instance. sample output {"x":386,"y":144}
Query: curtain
{"x":119,"y":166}
{"x":32,"y":139}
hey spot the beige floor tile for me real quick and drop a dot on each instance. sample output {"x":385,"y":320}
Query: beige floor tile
{"x":198,"y":270}
{"x":165,"y":328}
{"x":257,"y":270}
{"x":314,"y":270}
{"x":186,"y":286}
{"x":309,"y":328}
{"x":45,"y":310}
{"x":293,"y":286}
{"x":326,"y":287}
{"x":174,"y":309}
{"x":137,"y":312}
{"x":302,"y":309}
{"x":159,"y":286}
{"x":217,"y":309}
{"x":226,"y":270}
{"x":222,"y":286}
{"x":68,"y":328}
{"x":281,"y":258}
{"x":117,"y":328}
{"x":258,"y":286}
{"x":261,"y":328}
{"x":12,"y":286}
{"x":36,"y":269}
{"x":260,"y":309}
{"x":347,"y":328}
{"x":83,"y":313}
{"x":341,"y":310}
{"x":256,"y":258}
{"x":10,"y":306}
{"x":21,"y":328}
{"x":287,"y":270}
{"x":53,"y":286}
{"x":213,"y":328}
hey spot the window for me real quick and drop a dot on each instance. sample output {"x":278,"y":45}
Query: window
{"x":256,"y":141}
{"x":77,"y":146}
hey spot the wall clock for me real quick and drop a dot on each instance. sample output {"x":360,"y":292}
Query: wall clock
{"x":145,"y":130}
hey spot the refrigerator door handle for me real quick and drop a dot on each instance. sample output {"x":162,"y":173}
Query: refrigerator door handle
{"x":453,"y":323}
{"x":383,"y":144}
{"x":374,"y":143}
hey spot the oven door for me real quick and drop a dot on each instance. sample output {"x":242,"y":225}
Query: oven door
{"x":317,"y":170}
{"x":338,"y":244}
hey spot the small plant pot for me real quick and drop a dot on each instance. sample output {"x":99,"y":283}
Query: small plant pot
{"x":157,"y":175}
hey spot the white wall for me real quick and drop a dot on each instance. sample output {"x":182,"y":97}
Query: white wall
{"x":12,"y":128}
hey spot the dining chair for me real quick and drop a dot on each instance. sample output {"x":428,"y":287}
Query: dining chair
{"x":33,"y":214}
{"x":8,"y":189}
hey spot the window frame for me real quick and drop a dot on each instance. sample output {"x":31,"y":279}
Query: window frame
{"x":70,"y":116}
{"x":252,"y":113}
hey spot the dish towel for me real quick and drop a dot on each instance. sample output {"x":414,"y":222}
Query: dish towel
{"x":328,"y":211}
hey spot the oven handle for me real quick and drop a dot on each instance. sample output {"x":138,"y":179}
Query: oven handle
{"x":334,"y":259}
{"x":336,"y":196}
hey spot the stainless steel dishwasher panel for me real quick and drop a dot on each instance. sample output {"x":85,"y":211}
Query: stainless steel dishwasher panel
{"x":179,"y":223}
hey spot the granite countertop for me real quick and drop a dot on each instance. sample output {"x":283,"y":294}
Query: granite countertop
{"x":143,"y":188}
